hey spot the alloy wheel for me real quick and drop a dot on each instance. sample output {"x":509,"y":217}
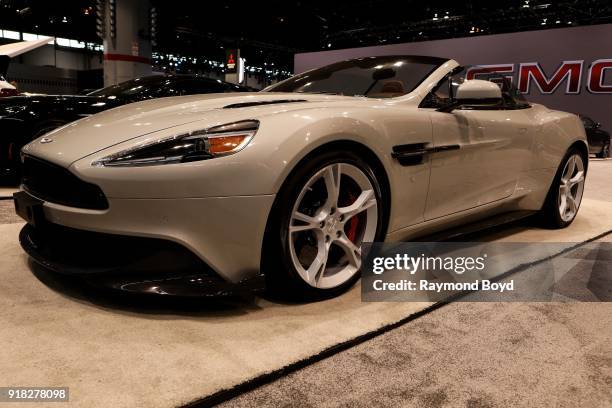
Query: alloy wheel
{"x":334,"y":213}
{"x":571,"y":187}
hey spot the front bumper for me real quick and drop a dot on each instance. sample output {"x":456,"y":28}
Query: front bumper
{"x":131,"y":264}
{"x":225,"y":233}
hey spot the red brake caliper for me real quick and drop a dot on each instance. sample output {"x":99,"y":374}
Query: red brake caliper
{"x":353,"y":223}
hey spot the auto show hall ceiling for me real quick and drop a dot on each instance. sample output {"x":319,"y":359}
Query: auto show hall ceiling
{"x":274,"y":30}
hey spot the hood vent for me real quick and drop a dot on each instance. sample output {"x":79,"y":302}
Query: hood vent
{"x":248,"y":104}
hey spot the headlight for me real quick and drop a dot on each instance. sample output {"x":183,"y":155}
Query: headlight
{"x":198,"y":145}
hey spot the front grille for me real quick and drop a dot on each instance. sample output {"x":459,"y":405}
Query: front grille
{"x":55,"y":184}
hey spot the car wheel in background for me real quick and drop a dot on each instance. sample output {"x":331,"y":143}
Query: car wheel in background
{"x":46,"y":127}
{"x":11,"y":173}
{"x":323,"y":213}
{"x":565,"y":194}
{"x":605,"y":152}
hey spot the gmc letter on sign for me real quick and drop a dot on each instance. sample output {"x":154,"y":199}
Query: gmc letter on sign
{"x":569,"y":72}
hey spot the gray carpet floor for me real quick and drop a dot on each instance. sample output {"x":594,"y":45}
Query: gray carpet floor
{"x":473,"y":355}
{"x":476,"y":355}
{"x":7,"y":212}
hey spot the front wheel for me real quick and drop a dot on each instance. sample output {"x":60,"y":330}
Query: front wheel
{"x":326,"y":210}
{"x":565,"y":194}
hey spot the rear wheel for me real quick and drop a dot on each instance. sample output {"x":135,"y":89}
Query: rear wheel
{"x":565,"y":194}
{"x":325,"y":211}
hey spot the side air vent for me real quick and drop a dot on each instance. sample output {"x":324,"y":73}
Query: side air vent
{"x":275,"y":102}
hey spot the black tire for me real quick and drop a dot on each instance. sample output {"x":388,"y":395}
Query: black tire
{"x":282,"y":278}
{"x":605,"y":152}
{"x":550,"y":215}
{"x":9,"y":165}
{"x":10,"y":176}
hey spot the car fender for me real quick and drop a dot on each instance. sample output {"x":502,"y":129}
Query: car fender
{"x":376,"y":130}
{"x":555,"y":133}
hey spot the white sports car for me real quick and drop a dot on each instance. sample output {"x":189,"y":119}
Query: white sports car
{"x":203,"y":194}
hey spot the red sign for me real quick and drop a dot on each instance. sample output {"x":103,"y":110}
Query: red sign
{"x":531,"y":75}
{"x":231,"y":56}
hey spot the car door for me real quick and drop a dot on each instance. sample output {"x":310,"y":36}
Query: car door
{"x":479,"y":153}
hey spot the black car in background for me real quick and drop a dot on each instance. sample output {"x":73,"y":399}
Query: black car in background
{"x":599,"y":140}
{"x":24,"y":118}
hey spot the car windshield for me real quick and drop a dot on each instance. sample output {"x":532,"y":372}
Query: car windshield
{"x":134,"y":87}
{"x":374,"y":77}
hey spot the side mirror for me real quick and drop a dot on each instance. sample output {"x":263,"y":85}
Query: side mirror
{"x":475,"y":92}
{"x":478,"y":92}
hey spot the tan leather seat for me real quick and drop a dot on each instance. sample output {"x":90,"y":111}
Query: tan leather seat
{"x":390,"y":89}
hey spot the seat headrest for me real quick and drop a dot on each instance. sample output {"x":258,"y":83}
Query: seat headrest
{"x":394,"y":87}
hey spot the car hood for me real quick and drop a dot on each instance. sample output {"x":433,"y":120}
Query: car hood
{"x":87,"y":136}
